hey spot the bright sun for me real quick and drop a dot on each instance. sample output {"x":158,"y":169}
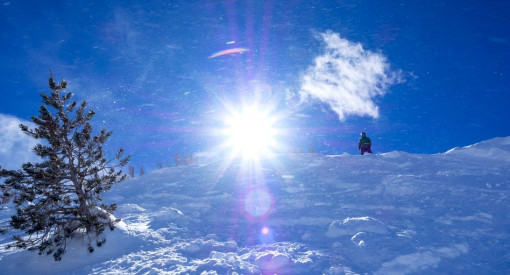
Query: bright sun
{"x":250,"y":132}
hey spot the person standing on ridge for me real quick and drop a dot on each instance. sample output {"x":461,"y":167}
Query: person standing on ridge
{"x":364,"y":144}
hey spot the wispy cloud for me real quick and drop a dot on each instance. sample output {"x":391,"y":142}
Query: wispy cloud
{"x":348,"y":77}
{"x":15,"y":146}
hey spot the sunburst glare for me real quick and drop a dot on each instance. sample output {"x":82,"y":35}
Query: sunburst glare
{"x":251,"y":132}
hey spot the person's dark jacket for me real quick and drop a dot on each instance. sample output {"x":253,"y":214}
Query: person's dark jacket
{"x":364,"y":142}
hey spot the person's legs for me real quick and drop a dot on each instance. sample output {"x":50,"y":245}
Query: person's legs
{"x":363,"y":150}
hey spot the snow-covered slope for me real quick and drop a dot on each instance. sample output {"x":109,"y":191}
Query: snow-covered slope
{"x":392,"y":213}
{"x":494,"y":149}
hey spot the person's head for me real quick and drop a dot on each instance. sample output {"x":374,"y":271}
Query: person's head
{"x":363,"y":134}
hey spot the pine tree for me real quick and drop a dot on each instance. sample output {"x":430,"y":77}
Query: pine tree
{"x":59,"y":198}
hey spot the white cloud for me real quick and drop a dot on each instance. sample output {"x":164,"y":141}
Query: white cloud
{"x":347,"y":77}
{"x":15,"y":146}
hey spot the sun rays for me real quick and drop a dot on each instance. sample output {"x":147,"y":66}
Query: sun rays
{"x":250,"y":133}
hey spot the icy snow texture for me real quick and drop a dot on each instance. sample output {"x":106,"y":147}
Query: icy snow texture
{"x":392,"y":213}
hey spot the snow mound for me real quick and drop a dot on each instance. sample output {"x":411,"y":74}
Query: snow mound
{"x":420,"y":261}
{"x":352,"y":226}
{"x":494,"y":149}
{"x":76,"y":257}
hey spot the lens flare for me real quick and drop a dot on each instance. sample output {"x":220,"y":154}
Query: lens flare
{"x":228,"y":51}
{"x":265,"y":230}
{"x":257,"y":203}
{"x":266,"y":235}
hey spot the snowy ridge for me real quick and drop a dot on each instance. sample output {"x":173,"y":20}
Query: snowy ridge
{"x":392,"y":213}
{"x":495,"y":149}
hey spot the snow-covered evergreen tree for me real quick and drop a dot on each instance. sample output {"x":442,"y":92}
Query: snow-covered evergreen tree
{"x":3,"y":199}
{"x":59,"y":198}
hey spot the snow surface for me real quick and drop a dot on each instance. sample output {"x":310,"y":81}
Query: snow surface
{"x":391,"y":213}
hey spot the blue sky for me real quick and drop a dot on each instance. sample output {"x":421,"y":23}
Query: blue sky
{"x":417,"y":76}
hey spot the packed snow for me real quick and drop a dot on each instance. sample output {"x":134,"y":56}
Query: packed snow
{"x":388,"y":213}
